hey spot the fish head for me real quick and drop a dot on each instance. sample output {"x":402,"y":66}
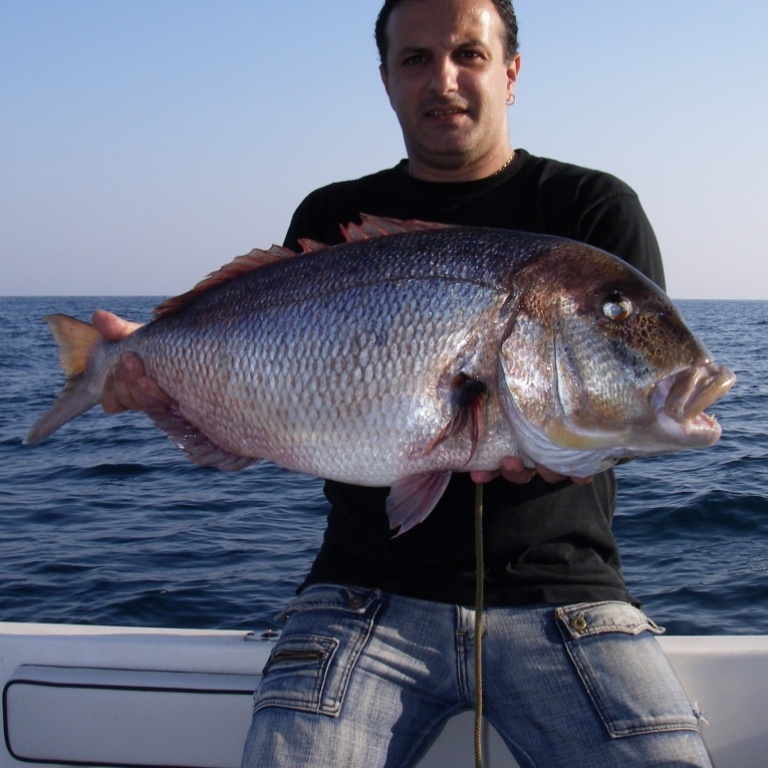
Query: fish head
{"x":597,"y":359}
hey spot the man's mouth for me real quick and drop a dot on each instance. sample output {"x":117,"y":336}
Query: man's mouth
{"x":446,"y":112}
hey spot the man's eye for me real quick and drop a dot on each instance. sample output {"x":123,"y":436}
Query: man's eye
{"x":415,"y":59}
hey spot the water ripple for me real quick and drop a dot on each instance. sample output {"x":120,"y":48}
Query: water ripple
{"x":107,"y":523}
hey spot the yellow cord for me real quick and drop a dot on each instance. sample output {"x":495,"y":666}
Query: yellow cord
{"x":479,"y":577}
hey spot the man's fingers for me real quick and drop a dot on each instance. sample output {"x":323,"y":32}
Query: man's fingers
{"x":112,"y":327}
{"x":120,"y":387}
{"x":128,"y":387}
{"x":514,"y":471}
{"x":548,"y":476}
{"x":483,"y":477}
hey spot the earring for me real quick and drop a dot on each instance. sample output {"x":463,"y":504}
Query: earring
{"x":511,"y":100}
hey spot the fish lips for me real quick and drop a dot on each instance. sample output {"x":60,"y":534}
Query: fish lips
{"x":681,"y":399}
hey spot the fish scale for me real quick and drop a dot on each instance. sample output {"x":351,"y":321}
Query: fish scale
{"x":324,"y":412}
{"x":410,"y":352}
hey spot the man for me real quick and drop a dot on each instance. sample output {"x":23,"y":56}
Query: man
{"x":376,"y":651}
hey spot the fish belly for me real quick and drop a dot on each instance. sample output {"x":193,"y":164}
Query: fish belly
{"x":352,"y":385}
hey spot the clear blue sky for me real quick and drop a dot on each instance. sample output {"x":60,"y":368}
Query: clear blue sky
{"x":143,"y":143}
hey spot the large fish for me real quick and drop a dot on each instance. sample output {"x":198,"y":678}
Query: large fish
{"x":410,"y":352}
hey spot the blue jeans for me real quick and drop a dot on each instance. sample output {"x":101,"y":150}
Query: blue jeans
{"x":364,"y":678}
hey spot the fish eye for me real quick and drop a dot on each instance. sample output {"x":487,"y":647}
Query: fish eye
{"x":617,"y":307}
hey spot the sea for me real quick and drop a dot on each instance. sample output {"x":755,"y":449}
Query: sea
{"x":106,"y":523}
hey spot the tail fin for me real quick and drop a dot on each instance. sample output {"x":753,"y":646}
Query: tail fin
{"x":76,"y":340}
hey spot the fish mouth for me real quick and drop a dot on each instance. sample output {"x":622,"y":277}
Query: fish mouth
{"x":682,"y":398}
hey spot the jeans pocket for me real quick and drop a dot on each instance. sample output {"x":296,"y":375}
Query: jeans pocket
{"x":310,"y":666}
{"x":623,"y":668}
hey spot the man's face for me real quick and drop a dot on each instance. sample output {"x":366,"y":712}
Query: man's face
{"x":448,"y":80}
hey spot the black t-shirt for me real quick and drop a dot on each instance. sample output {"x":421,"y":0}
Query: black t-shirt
{"x":543,"y":543}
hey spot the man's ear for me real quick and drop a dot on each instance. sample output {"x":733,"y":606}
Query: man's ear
{"x":513,"y":69}
{"x":384,"y":77}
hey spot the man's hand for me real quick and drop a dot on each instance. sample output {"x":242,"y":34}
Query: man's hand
{"x":512,"y":470}
{"x":127,"y":387}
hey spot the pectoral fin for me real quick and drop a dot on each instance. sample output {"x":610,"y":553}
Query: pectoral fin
{"x":468,"y":396}
{"x":411,"y":499}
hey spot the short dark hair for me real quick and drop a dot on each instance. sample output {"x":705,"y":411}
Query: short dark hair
{"x":503,"y":7}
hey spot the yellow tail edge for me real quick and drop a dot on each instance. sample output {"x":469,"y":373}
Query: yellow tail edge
{"x":76,"y":341}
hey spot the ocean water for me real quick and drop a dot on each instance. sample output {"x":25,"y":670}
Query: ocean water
{"x":107,"y":523}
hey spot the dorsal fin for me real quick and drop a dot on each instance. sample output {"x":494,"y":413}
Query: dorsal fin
{"x":247,"y":263}
{"x":370,"y":226}
{"x":310,"y":246}
{"x":378,"y":226}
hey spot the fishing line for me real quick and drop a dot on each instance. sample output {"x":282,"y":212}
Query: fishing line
{"x":479,"y":578}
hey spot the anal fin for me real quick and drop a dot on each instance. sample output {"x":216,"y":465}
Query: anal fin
{"x":198,"y":446}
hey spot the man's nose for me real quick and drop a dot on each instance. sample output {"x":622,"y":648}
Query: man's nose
{"x":444,"y":78}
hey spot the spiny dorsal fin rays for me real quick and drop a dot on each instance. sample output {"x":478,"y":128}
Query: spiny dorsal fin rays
{"x":378,"y":226}
{"x":310,"y":246}
{"x":247,"y":263}
{"x":371,"y":226}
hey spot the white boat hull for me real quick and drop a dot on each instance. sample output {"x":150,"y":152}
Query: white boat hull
{"x":108,"y":696}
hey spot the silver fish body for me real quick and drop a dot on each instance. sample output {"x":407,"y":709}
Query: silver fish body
{"x":395,"y":360}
